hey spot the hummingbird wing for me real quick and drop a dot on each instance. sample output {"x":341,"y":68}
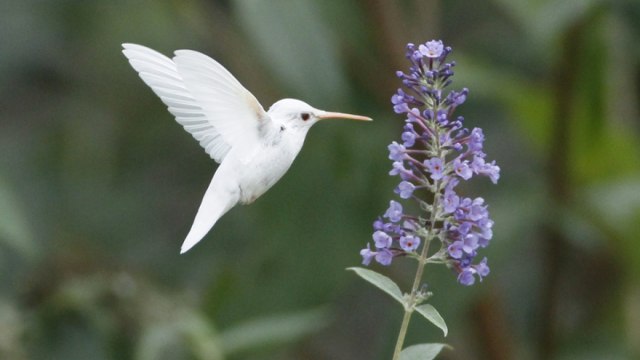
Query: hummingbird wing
{"x":233,"y":111}
{"x":209,"y":121}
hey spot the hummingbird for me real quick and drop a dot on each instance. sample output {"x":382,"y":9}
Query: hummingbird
{"x":254,"y":147}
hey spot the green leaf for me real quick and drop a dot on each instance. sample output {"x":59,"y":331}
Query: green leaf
{"x":203,"y":341}
{"x":272,"y":330}
{"x":430,"y":313}
{"x":422,"y":351}
{"x":14,"y":227}
{"x":188,"y":332}
{"x":155,"y":340}
{"x":384,"y":283}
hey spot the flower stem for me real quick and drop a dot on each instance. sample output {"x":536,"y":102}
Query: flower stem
{"x":403,"y":332}
{"x":422,"y":261}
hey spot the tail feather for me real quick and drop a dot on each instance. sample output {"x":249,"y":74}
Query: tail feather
{"x":214,"y":204}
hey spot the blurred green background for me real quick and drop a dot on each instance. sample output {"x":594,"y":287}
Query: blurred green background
{"x":99,"y":185}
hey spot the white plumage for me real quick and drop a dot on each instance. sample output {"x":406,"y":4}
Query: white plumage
{"x":254,"y":148}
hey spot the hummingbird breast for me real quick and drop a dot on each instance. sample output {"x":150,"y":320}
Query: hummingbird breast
{"x":266,"y":165}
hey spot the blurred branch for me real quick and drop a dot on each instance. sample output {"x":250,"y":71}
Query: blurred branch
{"x":559,"y":181}
{"x":493,"y":328}
{"x":391,"y":28}
{"x":388,"y":28}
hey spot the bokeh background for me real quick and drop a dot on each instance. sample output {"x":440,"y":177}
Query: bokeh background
{"x":99,"y":185}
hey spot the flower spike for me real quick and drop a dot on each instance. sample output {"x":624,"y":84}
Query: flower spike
{"x":435,"y":152}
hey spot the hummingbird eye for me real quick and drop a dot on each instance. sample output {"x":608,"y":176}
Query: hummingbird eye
{"x":305,"y":116}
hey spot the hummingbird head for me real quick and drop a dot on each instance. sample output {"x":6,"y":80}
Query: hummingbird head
{"x":300,"y":115}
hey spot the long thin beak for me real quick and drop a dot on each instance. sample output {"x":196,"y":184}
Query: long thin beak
{"x":336,"y":115}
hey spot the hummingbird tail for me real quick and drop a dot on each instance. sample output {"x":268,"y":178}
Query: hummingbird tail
{"x":214,"y":204}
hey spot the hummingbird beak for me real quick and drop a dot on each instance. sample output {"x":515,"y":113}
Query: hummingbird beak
{"x":336,"y":115}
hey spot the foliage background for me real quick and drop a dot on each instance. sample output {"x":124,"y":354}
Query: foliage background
{"x":98,"y":184}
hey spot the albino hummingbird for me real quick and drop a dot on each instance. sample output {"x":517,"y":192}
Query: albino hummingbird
{"x":254,"y":147}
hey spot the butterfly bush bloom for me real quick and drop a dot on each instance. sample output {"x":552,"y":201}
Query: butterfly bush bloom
{"x":435,"y":153}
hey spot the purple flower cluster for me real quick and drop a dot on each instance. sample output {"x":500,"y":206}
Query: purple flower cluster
{"x":435,"y":154}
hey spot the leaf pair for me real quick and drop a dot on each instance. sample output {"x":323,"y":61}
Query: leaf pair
{"x":414,"y":352}
{"x":390,"y":287}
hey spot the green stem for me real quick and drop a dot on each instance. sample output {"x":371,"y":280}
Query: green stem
{"x":402,"y":333}
{"x":411,"y":302}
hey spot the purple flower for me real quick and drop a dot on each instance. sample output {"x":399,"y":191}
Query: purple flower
{"x":485,"y":225}
{"x":409,"y":243}
{"x":450,"y":201}
{"x":432,"y":49}
{"x":442,"y":117}
{"x":477,"y":210}
{"x":466,"y":276}
{"x":384,"y":257}
{"x":396,"y":151}
{"x":405,"y":189}
{"x":399,"y":97}
{"x":394,"y":212}
{"x":401,"y":108}
{"x":492,"y":171}
{"x":467,"y":273}
{"x":475,"y":140}
{"x":381,"y":239}
{"x":477,"y":164}
{"x":457,"y":98}
{"x":451,"y":184}
{"x":455,"y":249}
{"x":378,"y":224}
{"x":480,"y":167}
{"x":413,"y":115}
{"x":397,"y":168}
{"x":470,"y":244}
{"x":408,"y":138}
{"x":482,"y":268}
{"x":391,"y":228}
{"x":436,"y":167}
{"x":465,"y":227}
{"x":367,"y":255}
{"x":462,"y":169}
{"x":401,"y":100}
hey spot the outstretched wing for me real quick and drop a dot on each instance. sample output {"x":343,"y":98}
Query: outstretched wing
{"x":204,"y":98}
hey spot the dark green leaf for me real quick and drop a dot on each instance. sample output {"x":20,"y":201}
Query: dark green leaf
{"x":384,"y":283}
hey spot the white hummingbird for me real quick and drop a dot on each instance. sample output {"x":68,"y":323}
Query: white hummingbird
{"x":254,"y":147}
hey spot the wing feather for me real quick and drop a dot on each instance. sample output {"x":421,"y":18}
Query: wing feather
{"x":203,"y":97}
{"x":233,"y":110}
